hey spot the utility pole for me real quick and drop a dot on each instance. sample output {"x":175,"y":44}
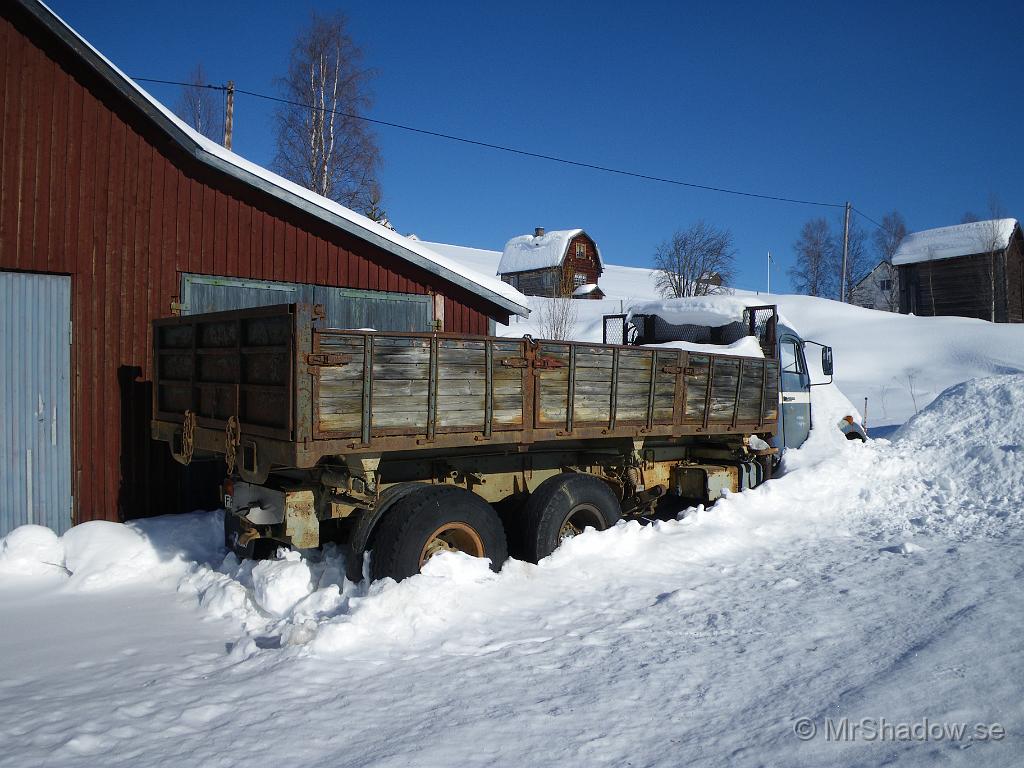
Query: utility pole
{"x":846,"y":250}
{"x":229,"y":112}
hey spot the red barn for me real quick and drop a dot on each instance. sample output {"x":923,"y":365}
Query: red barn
{"x":112,"y":213}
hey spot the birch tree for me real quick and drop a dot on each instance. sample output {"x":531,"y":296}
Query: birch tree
{"x":816,"y":270}
{"x":201,"y":107}
{"x":321,"y":142}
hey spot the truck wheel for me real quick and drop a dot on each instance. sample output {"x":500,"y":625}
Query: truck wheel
{"x":561,"y":507}
{"x":432,"y":520}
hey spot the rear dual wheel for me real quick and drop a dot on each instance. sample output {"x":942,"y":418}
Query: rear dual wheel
{"x":431,"y":520}
{"x":563,"y":506}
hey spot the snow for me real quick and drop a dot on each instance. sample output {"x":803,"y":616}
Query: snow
{"x":702,"y":310}
{"x":876,"y":580}
{"x":527,"y":252}
{"x":747,"y":346}
{"x":583,"y":290}
{"x":958,"y":240}
{"x":215,"y":152}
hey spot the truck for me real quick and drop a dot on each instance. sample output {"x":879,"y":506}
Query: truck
{"x":405,"y":445}
{"x":646,"y":327}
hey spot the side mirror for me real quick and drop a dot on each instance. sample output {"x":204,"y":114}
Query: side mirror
{"x":826,"y":360}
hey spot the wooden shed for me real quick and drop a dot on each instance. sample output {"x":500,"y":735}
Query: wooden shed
{"x":969,"y":270}
{"x":116,"y":213}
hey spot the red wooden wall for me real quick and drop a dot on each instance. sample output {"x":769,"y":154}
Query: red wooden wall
{"x":91,"y":188}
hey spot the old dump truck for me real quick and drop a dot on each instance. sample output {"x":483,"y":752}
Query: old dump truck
{"x":409,"y":444}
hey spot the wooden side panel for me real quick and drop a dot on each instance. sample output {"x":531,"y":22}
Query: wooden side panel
{"x":633,"y":387}
{"x":697,"y":374}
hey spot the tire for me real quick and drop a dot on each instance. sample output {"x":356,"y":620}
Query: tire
{"x":561,"y":507}
{"x":434,"y":519}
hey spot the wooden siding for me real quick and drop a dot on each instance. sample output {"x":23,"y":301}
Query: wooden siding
{"x":963,"y":286}
{"x":554,"y":281}
{"x":91,"y":188}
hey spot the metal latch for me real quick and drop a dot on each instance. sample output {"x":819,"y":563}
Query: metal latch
{"x":515,"y":362}
{"x":322,"y":359}
{"x":675,"y":370}
{"x":548,"y":362}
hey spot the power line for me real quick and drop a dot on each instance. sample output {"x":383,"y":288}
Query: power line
{"x":512,"y":150}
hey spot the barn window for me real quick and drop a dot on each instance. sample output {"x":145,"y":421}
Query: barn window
{"x":885,"y":284}
{"x":581,"y":250}
{"x":579,"y":279}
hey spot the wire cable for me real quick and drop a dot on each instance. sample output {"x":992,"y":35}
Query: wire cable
{"x":511,"y":150}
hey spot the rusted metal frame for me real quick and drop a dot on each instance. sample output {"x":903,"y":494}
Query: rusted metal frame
{"x":650,"y":391}
{"x":764,"y":388}
{"x":238,"y":368}
{"x":679,"y":394}
{"x":531,"y":396}
{"x":614,"y":404}
{"x":570,"y":403}
{"x":367,"y":415}
{"x":303,"y":386}
{"x":736,"y":399}
{"x":707,"y":393}
{"x":488,"y":388}
{"x":432,"y":389}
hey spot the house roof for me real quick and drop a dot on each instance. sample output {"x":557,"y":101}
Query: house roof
{"x":959,"y":240}
{"x":212,"y":154}
{"x":528,"y":252}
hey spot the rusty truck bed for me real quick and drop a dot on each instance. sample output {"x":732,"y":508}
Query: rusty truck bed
{"x":300,"y":391}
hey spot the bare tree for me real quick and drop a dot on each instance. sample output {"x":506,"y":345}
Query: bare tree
{"x":321,"y":142}
{"x":557,"y":315}
{"x":858,"y":260}
{"x":887,"y":241}
{"x":697,"y":261}
{"x":815,"y":271}
{"x":202,"y":107}
{"x":969,"y":217}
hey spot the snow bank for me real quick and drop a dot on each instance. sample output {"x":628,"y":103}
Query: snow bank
{"x":32,"y":550}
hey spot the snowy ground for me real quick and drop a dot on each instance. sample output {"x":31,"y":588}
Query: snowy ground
{"x":877,"y":581}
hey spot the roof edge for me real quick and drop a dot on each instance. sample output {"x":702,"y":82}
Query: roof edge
{"x":126,"y":87}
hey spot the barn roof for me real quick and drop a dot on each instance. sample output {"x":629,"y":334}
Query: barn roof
{"x":528,"y":252}
{"x":959,"y":240}
{"x":212,"y":154}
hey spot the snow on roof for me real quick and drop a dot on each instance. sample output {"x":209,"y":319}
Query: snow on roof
{"x":702,"y":310}
{"x":480,"y":259}
{"x":225,"y":160}
{"x":959,"y":240}
{"x":528,"y":252}
{"x":584,"y":289}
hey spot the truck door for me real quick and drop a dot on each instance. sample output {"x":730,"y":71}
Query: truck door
{"x":795,"y":391}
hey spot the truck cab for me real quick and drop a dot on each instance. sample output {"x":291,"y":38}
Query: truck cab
{"x":775,"y":338}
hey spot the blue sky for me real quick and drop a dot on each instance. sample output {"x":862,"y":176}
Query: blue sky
{"x":908,"y":106}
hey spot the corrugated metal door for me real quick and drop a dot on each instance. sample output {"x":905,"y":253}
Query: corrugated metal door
{"x":343,"y":307}
{"x":35,"y":401}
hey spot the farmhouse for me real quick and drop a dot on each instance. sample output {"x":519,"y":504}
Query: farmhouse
{"x":878,"y":289}
{"x":113,"y":213}
{"x":971,"y":270}
{"x":561,"y":263}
